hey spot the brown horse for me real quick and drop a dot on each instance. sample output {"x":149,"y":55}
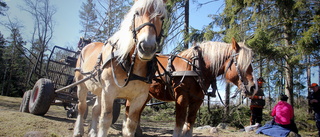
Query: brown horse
{"x":207,"y":61}
{"x":119,"y":68}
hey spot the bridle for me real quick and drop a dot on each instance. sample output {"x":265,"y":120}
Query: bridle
{"x":137,"y":29}
{"x":130,"y":75}
{"x":233,"y":59}
{"x":114,"y":53}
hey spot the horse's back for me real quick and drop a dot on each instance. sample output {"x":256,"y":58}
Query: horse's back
{"x":89,"y":56}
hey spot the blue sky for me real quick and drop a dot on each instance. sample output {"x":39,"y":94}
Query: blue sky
{"x":67,"y":27}
{"x":66,"y":32}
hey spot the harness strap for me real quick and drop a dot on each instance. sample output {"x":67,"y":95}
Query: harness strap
{"x":196,"y":67}
{"x":184,"y":73}
{"x":169,"y":77}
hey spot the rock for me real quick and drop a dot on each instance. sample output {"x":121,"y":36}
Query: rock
{"x":34,"y":134}
{"x":222,"y":125}
{"x":213,"y":130}
{"x":252,"y":127}
{"x":203,"y":127}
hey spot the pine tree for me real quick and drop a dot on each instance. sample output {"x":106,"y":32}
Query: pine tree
{"x":111,"y":14}
{"x":272,"y":28}
{"x":3,"y":7}
{"x":15,"y":65}
{"x":2,"y":65}
{"x":88,"y":19}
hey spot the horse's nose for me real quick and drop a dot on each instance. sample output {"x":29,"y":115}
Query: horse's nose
{"x":147,"y":49}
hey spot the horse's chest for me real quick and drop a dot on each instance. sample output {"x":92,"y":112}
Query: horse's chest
{"x":134,"y":88}
{"x":93,"y":84}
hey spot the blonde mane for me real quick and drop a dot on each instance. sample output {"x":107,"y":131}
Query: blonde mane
{"x":124,"y":37}
{"x":218,"y":52}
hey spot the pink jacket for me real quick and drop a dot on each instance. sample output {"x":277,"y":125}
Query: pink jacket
{"x":283,"y":113}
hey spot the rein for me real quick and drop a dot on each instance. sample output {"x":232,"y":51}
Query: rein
{"x":129,"y":73}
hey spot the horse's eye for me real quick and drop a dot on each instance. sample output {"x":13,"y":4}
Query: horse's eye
{"x":137,"y":13}
{"x":162,"y":18}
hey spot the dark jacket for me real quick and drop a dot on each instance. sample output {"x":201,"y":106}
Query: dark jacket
{"x":315,"y":106}
{"x":258,"y":99}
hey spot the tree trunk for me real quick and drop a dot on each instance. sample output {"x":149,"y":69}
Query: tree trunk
{"x":186,"y":24}
{"x":227,"y":97}
{"x":268,"y":85}
{"x":289,"y":83}
{"x":309,"y":82}
{"x":288,"y":67}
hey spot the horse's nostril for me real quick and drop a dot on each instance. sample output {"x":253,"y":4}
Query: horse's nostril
{"x":141,"y":47}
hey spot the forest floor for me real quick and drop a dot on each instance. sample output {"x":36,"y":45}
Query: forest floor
{"x":56,"y":124}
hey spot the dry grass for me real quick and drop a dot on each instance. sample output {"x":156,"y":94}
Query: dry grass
{"x":55,"y":124}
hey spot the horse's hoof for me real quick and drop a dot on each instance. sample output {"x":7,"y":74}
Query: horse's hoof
{"x":92,"y":133}
{"x":138,"y":132}
{"x":77,"y":135}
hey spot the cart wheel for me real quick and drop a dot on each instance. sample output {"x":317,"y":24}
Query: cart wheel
{"x":73,"y":112}
{"x":41,"y":97}
{"x":116,"y":110}
{"x":24,"y":106}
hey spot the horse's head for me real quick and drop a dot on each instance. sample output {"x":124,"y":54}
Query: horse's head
{"x":147,"y":26}
{"x":140,"y":30}
{"x":238,"y":69}
{"x":217,"y":58}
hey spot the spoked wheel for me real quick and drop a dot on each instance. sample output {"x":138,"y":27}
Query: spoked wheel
{"x":24,"y":106}
{"x":41,"y":97}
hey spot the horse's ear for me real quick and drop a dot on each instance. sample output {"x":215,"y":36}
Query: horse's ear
{"x":164,"y":1}
{"x":235,"y":45}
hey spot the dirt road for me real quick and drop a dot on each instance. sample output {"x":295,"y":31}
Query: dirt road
{"x":55,"y":124}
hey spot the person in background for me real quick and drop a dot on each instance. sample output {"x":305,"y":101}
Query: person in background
{"x":257,"y":104}
{"x":83,"y":42}
{"x":283,"y":114}
{"x":315,"y":104}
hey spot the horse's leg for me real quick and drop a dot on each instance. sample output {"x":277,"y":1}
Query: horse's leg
{"x":139,"y":129}
{"x":181,"y":112}
{"x":82,"y":106}
{"x":96,"y":110}
{"x":106,"y":112}
{"x":132,"y":120}
{"x":192,"y":115}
